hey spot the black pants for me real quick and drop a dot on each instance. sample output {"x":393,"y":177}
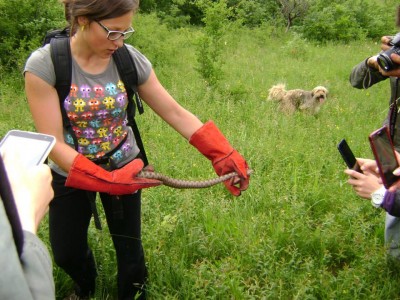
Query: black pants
{"x":69,"y":218}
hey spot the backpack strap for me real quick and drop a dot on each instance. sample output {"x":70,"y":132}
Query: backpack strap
{"x":127,"y":70}
{"x":62,"y":61}
{"x":55,"y":34}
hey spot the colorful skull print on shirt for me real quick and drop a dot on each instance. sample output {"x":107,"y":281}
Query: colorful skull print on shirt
{"x":96,"y":108}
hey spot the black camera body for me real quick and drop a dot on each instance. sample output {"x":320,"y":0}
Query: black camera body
{"x":384,"y":60}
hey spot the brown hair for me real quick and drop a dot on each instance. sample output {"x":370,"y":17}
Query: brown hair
{"x":96,"y":10}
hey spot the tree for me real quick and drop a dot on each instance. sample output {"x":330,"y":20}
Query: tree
{"x":293,"y":9}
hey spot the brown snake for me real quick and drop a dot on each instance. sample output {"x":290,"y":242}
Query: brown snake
{"x":187,"y":184}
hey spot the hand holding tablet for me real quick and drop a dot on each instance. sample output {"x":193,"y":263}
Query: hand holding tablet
{"x":32,"y":148}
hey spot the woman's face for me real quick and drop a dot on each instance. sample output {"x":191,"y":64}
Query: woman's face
{"x":99,"y":30}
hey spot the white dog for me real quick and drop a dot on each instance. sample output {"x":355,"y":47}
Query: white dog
{"x":292,"y":100}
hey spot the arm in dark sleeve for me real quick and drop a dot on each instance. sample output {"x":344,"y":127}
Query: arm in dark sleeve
{"x":362,"y":76}
{"x":29,"y":277}
{"x":391,"y":203}
{"x":13,"y":285}
{"x":37,"y":267}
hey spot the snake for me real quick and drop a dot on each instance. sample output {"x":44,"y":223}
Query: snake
{"x":187,"y":184}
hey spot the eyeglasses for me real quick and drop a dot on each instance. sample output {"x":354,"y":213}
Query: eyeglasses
{"x":113,"y":35}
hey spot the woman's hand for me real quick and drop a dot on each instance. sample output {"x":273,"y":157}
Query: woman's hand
{"x":367,"y":182}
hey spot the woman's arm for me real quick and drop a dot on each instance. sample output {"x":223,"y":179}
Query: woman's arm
{"x":45,"y":109}
{"x":366,"y":74}
{"x":206,"y":138}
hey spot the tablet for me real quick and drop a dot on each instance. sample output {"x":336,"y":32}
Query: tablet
{"x":31,"y":147}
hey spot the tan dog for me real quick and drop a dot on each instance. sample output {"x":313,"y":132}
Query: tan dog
{"x":292,"y":100}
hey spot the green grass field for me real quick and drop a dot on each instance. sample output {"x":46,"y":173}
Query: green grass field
{"x":299,"y":231}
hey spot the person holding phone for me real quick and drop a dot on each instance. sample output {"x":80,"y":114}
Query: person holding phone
{"x":367,"y":184}
{"x":98,"y":28}
{"x":390,"y":198}
{"x":30,"y":274}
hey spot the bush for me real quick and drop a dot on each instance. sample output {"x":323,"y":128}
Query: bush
{"x":253,"y":13}
{"x":346,"y":21}
{"x":333,"y":22}
{"x":23,"y":24}
{"x":210,"y":46}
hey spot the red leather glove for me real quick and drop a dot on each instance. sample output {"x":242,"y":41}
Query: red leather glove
{"x":86,"y":175}
{"x":212,"y":144}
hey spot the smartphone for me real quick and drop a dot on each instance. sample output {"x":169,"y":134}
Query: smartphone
{"x":31,"y":147}
{"x":384,"y":153}
{"x":348,"y":156}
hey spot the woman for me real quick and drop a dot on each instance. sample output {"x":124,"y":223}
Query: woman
{"x":98,"y":28}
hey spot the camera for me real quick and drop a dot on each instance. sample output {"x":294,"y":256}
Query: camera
{"x":384,"y":60}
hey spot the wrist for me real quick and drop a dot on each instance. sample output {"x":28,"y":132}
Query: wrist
{"x":210,"y":142}
{"x":28,"y":220}
{"x":377,"y":197}
{"x":30,"y":226}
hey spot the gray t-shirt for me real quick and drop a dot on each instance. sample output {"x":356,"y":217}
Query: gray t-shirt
{"x":96,"y":107}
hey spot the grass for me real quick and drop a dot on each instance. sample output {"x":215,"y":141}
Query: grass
{"x":299,"y":231}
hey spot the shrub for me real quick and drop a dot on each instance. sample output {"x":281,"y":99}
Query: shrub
{"x":210,"y":45}
{"x":346,"y":21}
{"x":23,"y":24}
{"x":253,"y":13}
{"x":333,"y":22}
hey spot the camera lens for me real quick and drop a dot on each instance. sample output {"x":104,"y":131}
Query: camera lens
{"x":385,"y":62}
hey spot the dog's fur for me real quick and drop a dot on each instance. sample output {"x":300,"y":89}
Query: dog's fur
{"x":292,"y":100}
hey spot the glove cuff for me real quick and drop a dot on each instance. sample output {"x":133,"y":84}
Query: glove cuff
{"x":86,"y":175}
{"x":210,"y":142}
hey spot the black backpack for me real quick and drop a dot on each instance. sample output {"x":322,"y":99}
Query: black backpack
{"x":61,"y":57}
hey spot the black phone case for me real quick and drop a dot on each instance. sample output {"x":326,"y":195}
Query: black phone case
{"x":348,"y":156}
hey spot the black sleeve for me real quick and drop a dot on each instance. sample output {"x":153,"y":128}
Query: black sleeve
{"x":362,"y":76}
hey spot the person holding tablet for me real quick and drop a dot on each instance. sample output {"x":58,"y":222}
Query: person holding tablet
{"x":25,"y":262}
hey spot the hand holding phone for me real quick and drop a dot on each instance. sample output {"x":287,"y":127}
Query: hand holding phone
{"x":384,"y":153}
{"x":348,"y":156}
